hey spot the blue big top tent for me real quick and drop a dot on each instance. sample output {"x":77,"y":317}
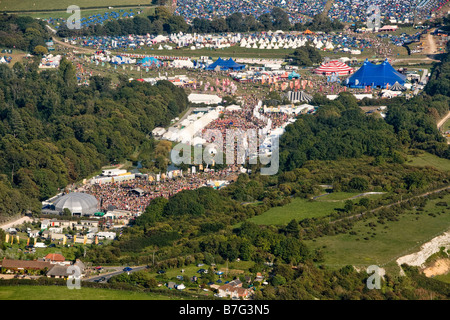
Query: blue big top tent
{"x":225,"y":65}
{"x":231,"y":64}
{"x":219,"y":62}
{"x":379,"y":75}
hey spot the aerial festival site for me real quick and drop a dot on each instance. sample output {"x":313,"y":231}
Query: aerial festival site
{"x":218,"y":154}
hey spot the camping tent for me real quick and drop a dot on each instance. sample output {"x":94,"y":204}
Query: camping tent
{"x":334,"y":67}
{"x":293,"y":75}
{"x":149,"y":61}
{"x":379,"y":75}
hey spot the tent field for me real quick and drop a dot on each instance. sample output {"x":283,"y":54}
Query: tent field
{"x":33,"y":5}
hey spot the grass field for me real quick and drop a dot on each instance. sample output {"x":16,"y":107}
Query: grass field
{"x":443,"y":278}
{"x":298,"y":209}
{"x":427,"y":159}
{"x":342,"y":196}
{"x":384,"y":243}
{"x":234,"y":268}
{"x":63,"y":293}
{"x":34,"y":5}
{"x":302,"y":208}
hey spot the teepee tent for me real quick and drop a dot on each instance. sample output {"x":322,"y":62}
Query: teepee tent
{"x":397,"y":87}
{"x":298,"y":96}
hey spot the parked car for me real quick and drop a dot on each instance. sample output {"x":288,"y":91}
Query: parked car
{"x":102,"y":279}
{"x":161,"y":271}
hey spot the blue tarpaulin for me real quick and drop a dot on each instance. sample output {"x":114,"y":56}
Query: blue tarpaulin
{"x":149,"y":61}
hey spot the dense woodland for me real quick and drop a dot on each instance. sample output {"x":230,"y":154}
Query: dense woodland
{"x":23,"y":33}
{"x":54,"y":132}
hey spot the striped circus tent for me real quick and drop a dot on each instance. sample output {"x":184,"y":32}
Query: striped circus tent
{"x":397,"y":87}
{"x":298,"y":96}
{"x":334,"y":67}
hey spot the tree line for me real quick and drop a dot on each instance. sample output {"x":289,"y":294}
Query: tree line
{"x":162,"y":21}
{"x":22,"y":33}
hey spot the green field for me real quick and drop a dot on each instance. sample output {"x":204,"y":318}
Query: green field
{"x":63,"y":293}
{"x":302,"y":208}
{"x":427,"y":159}
{"x":237,"y":51}
{"x":34,"y":5}
{"x":341,"y":196}
{"x":298,"y":209}
{"x":443,"y":278}
{"x":191,"y":270}
{"x":385,"y":242}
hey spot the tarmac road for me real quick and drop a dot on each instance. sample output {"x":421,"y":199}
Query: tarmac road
{"x":109,"y":275}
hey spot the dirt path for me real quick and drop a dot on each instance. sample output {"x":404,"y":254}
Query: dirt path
{"x":75,"y":48}
{"x":430,"y":47}
{"x":441,"y":122}
{"x":327,"y":7}
{"x":16,"y":222}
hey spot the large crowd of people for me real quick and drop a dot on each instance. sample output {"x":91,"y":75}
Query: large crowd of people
{"x":298,"y":11}
{"x":120,"y":195}
{"x":349,"y":11}
{"x":400,"y":10}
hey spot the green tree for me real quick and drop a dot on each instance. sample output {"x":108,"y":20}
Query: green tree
{"x":40,"y":50}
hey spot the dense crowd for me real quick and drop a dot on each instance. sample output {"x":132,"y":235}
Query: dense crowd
{"x":400,"y":10}
{"x":121,"y":196}
{"x":209,"y":9}
{"x":301,"y":11}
